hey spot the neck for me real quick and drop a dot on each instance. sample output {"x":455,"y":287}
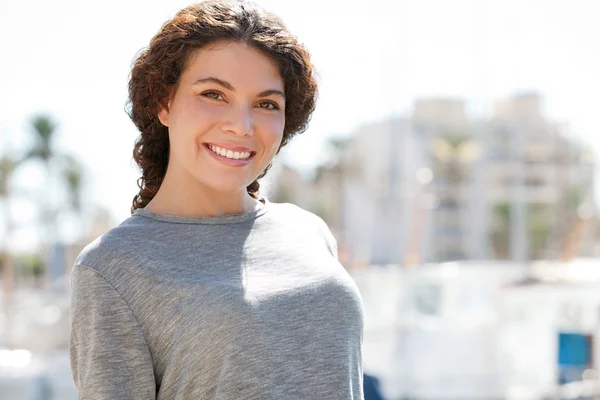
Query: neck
{"x":189,"y":199}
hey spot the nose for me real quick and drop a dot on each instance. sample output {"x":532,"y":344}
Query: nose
{"x":239,"y":122}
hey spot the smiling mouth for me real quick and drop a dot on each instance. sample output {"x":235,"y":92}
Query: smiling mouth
{"x":230,"y":154}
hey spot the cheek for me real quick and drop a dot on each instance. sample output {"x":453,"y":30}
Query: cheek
{"x":273,"y":133}
{"x":194,"y":120}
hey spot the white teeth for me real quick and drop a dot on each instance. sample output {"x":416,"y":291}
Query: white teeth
{"x":236,"y":155}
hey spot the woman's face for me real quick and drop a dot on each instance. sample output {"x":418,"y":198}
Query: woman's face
{"x":230,"y":100}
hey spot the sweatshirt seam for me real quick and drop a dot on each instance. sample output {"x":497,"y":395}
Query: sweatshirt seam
{"x":127,"y":304}
{"x":168,"y":220}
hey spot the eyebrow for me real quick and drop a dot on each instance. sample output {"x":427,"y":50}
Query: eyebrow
{"x":229,"y":86}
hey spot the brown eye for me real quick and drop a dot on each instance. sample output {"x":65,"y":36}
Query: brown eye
{"x":212,"y":95}
{"x":269,"y":105}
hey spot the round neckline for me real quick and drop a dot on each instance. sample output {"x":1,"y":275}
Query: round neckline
{"x":208,"y":220}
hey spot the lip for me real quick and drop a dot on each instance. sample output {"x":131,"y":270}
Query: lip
{"x":230,"y":147}
{"x":229,"y":161}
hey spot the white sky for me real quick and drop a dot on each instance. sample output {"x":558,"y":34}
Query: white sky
{"x":71,"y":59}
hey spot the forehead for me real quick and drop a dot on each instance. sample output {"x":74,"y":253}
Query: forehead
{"x":236,"y":63}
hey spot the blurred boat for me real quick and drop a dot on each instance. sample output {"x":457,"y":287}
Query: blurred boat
{"x":481,"y":330}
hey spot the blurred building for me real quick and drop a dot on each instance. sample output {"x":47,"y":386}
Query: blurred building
{"x":439,"y":185}
{"x":540,"y":167}
{"x":361,"y":194}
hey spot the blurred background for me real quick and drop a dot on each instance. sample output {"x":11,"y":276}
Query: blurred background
{"x":453,"y":154}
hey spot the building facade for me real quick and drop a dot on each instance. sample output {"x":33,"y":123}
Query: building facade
{"x":440,"y":185}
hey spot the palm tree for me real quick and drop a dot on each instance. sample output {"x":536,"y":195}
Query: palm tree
{"x":44,"y":129}
{"x":66,"y":167}
{"x":449,"y":151}
{"x":73,"y":176}
{"x":7,"y":167}
{"x":69,"y":168}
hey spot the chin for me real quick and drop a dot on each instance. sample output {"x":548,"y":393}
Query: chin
{"x":227,"y":186}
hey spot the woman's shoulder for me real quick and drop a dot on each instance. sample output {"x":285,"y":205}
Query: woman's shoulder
{"x":293,"y":214}
{"x":112,"y":247}
{"x":305,"y":223}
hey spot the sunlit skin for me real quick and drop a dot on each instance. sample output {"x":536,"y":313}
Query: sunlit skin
{"x":230,"y":95}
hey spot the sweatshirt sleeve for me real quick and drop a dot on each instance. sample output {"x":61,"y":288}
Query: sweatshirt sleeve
{"x":109,"y":355}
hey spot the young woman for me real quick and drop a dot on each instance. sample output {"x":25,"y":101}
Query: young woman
{"x":210,"y":291}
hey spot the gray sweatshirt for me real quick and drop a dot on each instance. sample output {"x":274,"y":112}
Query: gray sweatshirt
{"x":246,"y":306}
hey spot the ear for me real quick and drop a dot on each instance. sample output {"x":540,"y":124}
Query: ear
{"x":165,"y":107}
{"x":163,"y":114}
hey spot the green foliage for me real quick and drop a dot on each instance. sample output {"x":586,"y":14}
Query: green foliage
{"x":574,"y":198}
{"x":43,"y":128}
{"x":318,"y":207}
{"x":7,"y":166}
{"x":283,"y":194}
{"x":454,"y":139}
{"x":73,"y":176}
{"x":32,"y":264}
{"x":539,"y":228}
{"x":500,"y":230}
{"x":339,"y":143}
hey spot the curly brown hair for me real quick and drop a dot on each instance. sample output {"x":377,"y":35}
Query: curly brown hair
{"x":157,"y":70}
